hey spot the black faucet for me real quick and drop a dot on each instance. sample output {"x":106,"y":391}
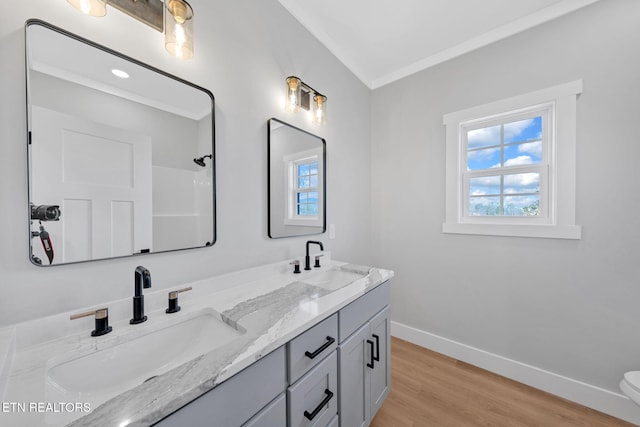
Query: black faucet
{"x":307,"y":260}
{"x":142,"y":280}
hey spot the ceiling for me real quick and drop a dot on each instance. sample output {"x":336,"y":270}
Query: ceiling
{"x":54,"y":53}
{"x":381,"y":41}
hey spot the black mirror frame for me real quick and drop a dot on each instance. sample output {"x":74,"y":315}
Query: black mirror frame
{"x":324,"y":180}
{"x":47,"y":25}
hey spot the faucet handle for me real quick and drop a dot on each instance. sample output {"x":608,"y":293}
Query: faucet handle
{"x":296,"y":266}
{"x":317,"y":264}
{"x":102,"y":320}
{"x":173,"y":300}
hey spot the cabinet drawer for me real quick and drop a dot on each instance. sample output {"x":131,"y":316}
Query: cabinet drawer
{"x":315,"y":396}
{"x":361,"y":310}
{"x":310,"y":347}
{"x":236,"y":400}
{"x":275,"y":414}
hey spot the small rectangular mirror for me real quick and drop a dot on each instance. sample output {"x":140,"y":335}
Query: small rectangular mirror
{"x":297,"y":165}
{"x":121,"y":155}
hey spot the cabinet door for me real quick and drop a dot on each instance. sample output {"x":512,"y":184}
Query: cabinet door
{"x":354,"y":381}
{"x":274,"y":415}
{"x":380,"y":335}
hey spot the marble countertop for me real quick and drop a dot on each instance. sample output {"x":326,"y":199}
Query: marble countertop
{"x":269,"y":303}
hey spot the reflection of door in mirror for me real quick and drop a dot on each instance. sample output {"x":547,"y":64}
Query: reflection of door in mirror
{"x":100,"y":176}
{"x":116,"y":154}
{"x":296,"y":181}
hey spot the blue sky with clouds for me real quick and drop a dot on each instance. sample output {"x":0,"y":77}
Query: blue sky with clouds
{"x":512,"y":144}
{"x":521,"y":145}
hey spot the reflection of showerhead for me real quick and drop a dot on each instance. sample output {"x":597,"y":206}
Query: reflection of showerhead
{"x":200,"y":160}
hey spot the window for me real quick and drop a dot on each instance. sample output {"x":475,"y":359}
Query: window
{"x":506,"y":161}
{"x":304,"y":188}
{"x":511,"y":166}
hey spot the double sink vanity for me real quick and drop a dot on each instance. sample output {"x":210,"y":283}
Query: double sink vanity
{"x":276,"y":345}
{"x":258,"y":347}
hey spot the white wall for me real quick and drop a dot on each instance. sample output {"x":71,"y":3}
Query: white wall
{"x":244,"y":50}
{"x":568,"y":307}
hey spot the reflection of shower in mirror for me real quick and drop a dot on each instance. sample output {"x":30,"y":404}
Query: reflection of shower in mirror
{"x":200,"y":160}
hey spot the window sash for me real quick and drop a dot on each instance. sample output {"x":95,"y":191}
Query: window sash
{"x":304,"y":189}
{"x":542,"y":168}
{"x":546,"y":111}
{"x":298,"y":204}
{"x":309,"y":175}
{"x":543,"y":195}
{"x":293,"y":189}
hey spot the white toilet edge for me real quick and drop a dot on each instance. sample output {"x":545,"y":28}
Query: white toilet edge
{"x":630,"y":386}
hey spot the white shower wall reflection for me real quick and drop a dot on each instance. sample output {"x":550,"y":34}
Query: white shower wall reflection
{"x":182,"y":207}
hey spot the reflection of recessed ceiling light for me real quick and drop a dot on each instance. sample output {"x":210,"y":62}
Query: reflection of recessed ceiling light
{"x":120,"y":73}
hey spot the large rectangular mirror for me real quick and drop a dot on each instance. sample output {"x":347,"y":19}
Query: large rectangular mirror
{"x":121,"y":155}
{"x":296,"y":163}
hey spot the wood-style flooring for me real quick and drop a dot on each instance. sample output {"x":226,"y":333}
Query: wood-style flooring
{"x":429,"y":389}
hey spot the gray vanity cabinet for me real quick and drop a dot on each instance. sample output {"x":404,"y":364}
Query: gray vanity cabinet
{"x":336,"y":373}
{"x":364,"y":359}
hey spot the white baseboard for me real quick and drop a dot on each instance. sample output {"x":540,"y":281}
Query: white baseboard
{"x":614,"y":404}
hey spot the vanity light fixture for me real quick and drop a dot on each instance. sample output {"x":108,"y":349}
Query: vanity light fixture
{"x":319,"y":109}
{"x":173,"y":17}
{"x":292,"y":100}
{"x":90,"y":7}
{"x":178,"y":29}
{"x":300,"y":95}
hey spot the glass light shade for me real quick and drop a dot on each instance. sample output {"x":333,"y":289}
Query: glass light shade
{"x":292,"y":99}
{"x":90,"y":7}
{"x":178,"y":28}
{"x":319,"y":109}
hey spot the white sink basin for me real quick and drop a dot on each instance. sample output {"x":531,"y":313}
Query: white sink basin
{"x":130,"y":360}
{"x":336,"y":278}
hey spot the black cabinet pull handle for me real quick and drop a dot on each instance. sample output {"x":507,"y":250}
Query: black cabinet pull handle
{"x":322,"y":348}
{"x":377,"y":356}
{"x":322,"y":404}
{"x":370,"y":364}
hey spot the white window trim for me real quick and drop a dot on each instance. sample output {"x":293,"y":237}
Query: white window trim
{"x":289,"y":163}
{"x":562,"y":178}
